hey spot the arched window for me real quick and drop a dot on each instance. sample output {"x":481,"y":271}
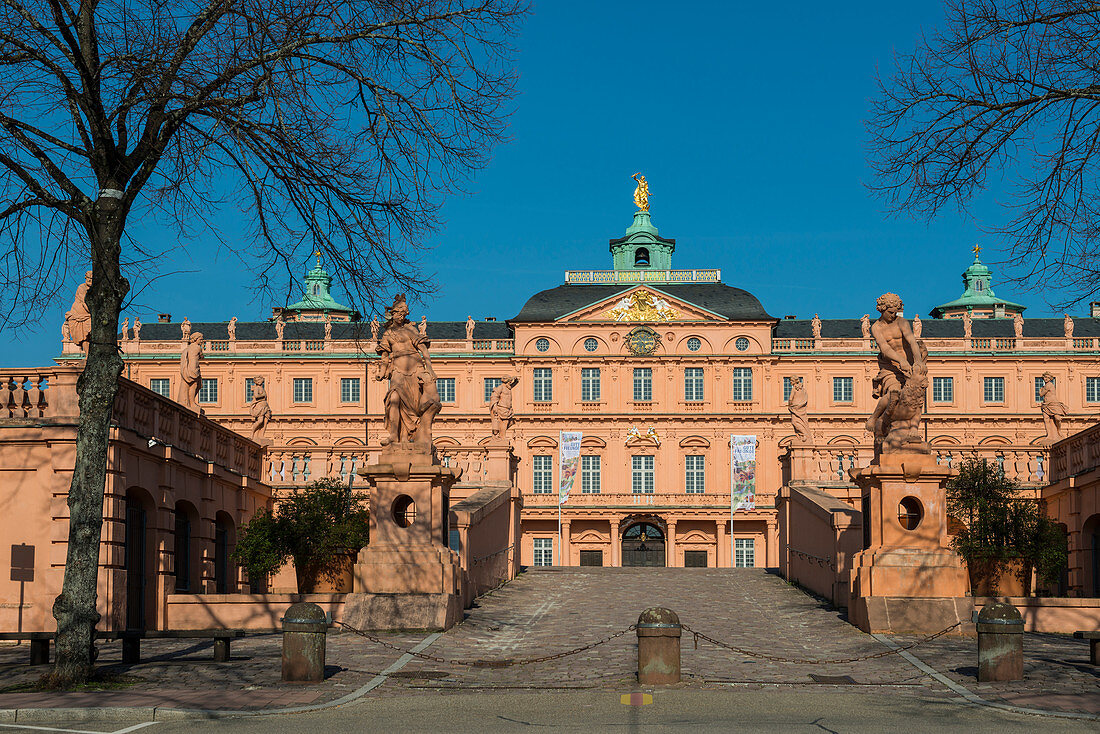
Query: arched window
{"x":641,"y":258}
{"x":316,"y":290}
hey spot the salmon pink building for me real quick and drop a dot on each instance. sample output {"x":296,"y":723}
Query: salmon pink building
{"x":678,"y":382}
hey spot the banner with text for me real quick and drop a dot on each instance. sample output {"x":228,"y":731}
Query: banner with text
{"x":742,"y":473}
{"x":569,"y":444}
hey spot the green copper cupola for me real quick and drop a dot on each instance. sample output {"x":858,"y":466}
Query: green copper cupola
{"x":642,"y":248}
{"x":317,"y":302}
{"x":978,"y":297}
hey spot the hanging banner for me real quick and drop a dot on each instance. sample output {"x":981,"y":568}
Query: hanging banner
{"x":742,"y":473}
{"x":569,"y":452}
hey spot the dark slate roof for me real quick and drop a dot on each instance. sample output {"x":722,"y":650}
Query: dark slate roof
{"x":315,"y":330}
{"x":732,"y":303}
{"x":941,"y":328}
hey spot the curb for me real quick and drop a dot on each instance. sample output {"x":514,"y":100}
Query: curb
{"x":163,"y":713}
{"x":973,"y":698}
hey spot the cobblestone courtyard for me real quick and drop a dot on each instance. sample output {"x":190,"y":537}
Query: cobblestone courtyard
{"x":554,"y":610}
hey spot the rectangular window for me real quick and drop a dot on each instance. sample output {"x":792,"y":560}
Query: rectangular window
{"x":1038,"y":386}
{"x":590,"y":384}
{"x":744,"y":552}
{"x":591,"y":558}
{"x":943,"y":389}
{"x":543,"y":385}
{"x":695,"y":559}
{"x":641,"y":478}
{"x":445,"y":386}
{"x":161,"y":386}
{"x":693,"y":383}
{"x":543,"y":468}
{"x":349,"y":389}
{"x":249,"y":388}
{"x":842,"y":389}
{"x":544,"y":552}
{"x":643,"y":384}
{"x":208,"y":392}
{"x":694,"y":474}
{"x":303,"y":389}
{"x":786,"y":389}
{"x":993,"y":389}
{"x":491,"y":383}
{"x":742,"y":383}
{"x":1092,"y":389}
{"x":590,"y":475}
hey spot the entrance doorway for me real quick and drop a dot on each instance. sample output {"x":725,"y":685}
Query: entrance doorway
{"x":135,"y":565}
{"x":644,"y":545}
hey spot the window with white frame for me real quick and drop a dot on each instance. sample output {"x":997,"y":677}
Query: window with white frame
{"x":543,"y":474}
{"x":943,"y":389}
{"x":303,"y":389}
{"x":590,"y":384}
{"x":590,"y":475}
{"x":693,"y":383}
{"x":993,"y":389}
{"x":744,"y":552}
{"x":694,"y":474}
{"x":842,"y":389}
{"x":787,"y":387}
{"x":349,"y":389}
{"x":208,"y":391}
{"x":445,"y":386}
{"x":641,"y":475}
{"x":544,"y":552}
{"x":741,"y":384}
{"x":1092,"y":389}
{"x":491,"y":384}
{"x":161,"y":386}
{"x":543,"y":385}
{"x":1038,"y":388}
{"x":643,"y":384}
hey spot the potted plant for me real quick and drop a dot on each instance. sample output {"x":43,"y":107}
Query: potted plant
{"x":321,"y":527}
{"x":1002,"y":537}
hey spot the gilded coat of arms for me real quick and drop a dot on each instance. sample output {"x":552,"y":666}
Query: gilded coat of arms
{"x":642,"y":306}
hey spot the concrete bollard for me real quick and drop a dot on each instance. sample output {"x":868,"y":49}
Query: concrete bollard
{"x":304,"y":630}
{"x":658,"y":647}
{"x":1000,"y":643}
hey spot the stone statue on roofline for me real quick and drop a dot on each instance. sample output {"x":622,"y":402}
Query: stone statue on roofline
{"x":232,"y":329}
{"x":185,"y":329}
{"x":797,"y":405}
{"x":126,"y":329}
{"x":865,"y":326}
{"x":328,"y":327}
{"x":78,"y":319}
{"x":374,"y":327}
{"x":1067,"y":326}
{"x":968,"y":325}
{"x":470,"y":328}
{"x":815,"y":327}
{"x":411,"y":400}
{"x":279,"y":326}
{"x":1018,"y":324}
{"x":901,"y":383}
{"x":918,"y":327}
{"x":137,"y":329}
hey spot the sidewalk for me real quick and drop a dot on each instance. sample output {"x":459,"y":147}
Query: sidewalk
{"x":543,"y":613}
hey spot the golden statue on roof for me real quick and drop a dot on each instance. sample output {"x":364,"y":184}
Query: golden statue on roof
{"x":641,"y":193}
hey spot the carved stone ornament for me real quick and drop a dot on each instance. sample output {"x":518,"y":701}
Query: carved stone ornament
{"x":641,"y":305}
{"x":901,"y":383}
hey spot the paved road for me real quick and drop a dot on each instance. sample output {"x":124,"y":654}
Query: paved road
{"x":599,"y":711}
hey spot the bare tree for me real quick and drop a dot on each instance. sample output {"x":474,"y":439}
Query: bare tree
{"x":1007,"y":88}
{"x":333,"y":124}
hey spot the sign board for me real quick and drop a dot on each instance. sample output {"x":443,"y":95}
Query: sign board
{"x":22,"y":563}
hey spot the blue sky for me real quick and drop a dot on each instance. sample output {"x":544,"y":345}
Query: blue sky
{"x":747,"y":120}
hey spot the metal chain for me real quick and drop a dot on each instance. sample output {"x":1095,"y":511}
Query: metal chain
{"x":764,"y":656}
{"x":486,"y":663}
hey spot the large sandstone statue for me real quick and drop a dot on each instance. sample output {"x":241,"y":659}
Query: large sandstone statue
{"x":1053,"y":409}
{"x":797,"y":405}
{"x":500,"y":407}
{"x":78,"y":319}
{"x":411,"y":401}
{"x":259,"y":410}
{"x":190,"y":372}
{"x":901,"y":382}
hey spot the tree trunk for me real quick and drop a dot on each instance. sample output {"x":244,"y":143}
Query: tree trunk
{"x":75,"y":608}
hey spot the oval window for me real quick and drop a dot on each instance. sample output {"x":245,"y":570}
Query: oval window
{"x":742,"y":344}
{"x":694,"y":345}
{"x":591,"y":345}
{"x":910,"y":513}
{"x":543,"y":345}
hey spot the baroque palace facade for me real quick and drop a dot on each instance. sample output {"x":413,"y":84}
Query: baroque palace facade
{"x":658,"y":368}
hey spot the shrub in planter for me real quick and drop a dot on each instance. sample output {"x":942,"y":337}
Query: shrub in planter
{"x":1002,"y":532}
{"x":321,"y":527}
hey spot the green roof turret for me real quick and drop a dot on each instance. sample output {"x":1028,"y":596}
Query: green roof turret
{"x":317,"y":297}
{"x":978,"y":297}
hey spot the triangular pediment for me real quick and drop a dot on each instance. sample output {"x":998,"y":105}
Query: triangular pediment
{"x":644,"y":304}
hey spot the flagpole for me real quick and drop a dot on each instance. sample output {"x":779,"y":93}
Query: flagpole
{"x":559,"y":532}
{"x":731,"y":501}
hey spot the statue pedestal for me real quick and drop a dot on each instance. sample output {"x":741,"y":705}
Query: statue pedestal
{"x":407,"y":578}
{"x":907,"y":578}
